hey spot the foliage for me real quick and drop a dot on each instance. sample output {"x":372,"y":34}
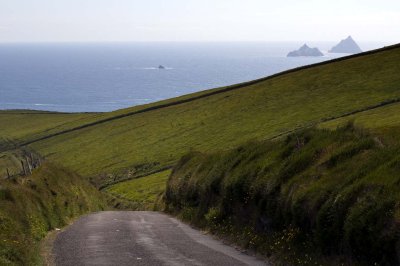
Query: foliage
{"x":339,"y":189}
{"x":33,"y":205}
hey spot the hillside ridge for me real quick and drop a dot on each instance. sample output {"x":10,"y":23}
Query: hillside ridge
{"x":212,"y":92}
{"x":369,"y":108}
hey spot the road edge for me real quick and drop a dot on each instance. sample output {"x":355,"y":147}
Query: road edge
{"x":46,"y":248}
{"x":186,"y":226}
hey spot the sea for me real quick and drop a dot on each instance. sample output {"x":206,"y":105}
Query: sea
{"x":100,"y":77}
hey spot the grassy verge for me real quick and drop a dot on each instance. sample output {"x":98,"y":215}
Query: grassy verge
{"x":144,"y":191}
{"x":31,"y":206}
{"x":314,"y":195}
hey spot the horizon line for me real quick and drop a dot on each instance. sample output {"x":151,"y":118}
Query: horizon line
{"x":187,"y":41}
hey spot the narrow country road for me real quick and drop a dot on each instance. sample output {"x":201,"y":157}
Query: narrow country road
{"x":141,"y":238}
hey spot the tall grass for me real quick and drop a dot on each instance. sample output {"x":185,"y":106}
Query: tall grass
{"x":31,"y":206}
{"x":339,"y":190}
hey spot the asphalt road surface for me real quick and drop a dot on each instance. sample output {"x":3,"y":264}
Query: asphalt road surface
{"x":141,"y":238}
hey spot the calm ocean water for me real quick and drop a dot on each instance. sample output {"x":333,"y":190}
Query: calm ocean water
{"x":105,"y":77}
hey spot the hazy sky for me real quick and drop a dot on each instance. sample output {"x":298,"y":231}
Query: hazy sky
{"x":199,"y":20}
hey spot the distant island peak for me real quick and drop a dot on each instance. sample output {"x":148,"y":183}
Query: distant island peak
{"x":347,"y":46}
{"x":305,"y":50}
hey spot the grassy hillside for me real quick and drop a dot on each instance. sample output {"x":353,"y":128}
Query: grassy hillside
{"x":383,"y":120}
{"x":143,"y":139}
{"x":316,"y":191}
{"x":144,"y":192}
{"x":10,"y":160}
{"x":146,"y":141}
{"x":21,"y":126}
{"x":33,"y":205}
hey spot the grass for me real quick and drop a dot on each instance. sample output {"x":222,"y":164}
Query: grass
{"x":338,"y":191}
{"x":145,"y":142}
{"x":378,"y":120}
{"x":144,"y":191}
{"x":31,"y":206}
{"x":10,"y":160}
{"x":22,"y":125}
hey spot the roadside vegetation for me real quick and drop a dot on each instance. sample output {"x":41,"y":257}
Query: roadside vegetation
{"x":313,"y":192}
{"x":33,"y":205}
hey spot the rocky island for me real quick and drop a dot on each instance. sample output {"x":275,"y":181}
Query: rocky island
{"x":347,"y":46}
{"x":305,"y":50}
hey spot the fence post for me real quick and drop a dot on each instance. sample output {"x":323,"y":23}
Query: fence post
{"x":23,"y":167}
{"x":32,"y":162}
{"x":29,"y":165}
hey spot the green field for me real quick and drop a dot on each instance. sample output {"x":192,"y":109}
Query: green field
{"x":25,"y":125}
{"x":378,"y":120}
{"x":144,"y":142}
{"x":145,"y":191}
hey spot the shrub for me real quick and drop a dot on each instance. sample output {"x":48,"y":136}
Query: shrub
{"x":337,"y":188}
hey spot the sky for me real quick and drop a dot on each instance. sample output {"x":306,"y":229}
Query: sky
{"x":198,"y":20}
